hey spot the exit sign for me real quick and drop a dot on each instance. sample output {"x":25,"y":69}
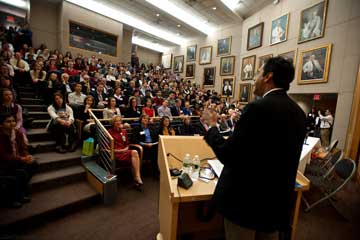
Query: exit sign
{"x":316,"y":97}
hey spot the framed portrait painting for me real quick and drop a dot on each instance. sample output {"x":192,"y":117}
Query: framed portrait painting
{"x":255,"y":35}
{"x":179,"y":64}
{"x":227,"y":86}
{"x":224,"y":46}
{"x":166,"y":61}
{"x":191,"y":53}
{"x":245,"y":92}
{"x":312,"y":22}
{"x":291,"y":56}
{"x":227,"y":65}
{"x":209,"y":77}
{"x":190,"y":70}
{"x":262,"y":60}
{"x":279,"y":29}
{"x":248,"y":68}
{"x":205,"y":54}
{"x":314,"y":65}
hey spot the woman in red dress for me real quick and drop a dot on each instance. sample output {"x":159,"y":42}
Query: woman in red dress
{"x":148,"y":109}
{"x":122,"y":152}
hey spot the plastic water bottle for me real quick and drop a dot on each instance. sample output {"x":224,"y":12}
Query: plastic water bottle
{"x":196,"y":168}
{"x":187,"y":164}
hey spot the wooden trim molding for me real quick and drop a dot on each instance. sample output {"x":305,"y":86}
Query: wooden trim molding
{"x":352,"y":146}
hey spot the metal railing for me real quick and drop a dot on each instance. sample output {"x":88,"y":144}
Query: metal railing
{"x":105,"y":141}
{"x":105,"y":145}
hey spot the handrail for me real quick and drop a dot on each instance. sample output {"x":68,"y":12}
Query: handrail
{"x":104,"y":138}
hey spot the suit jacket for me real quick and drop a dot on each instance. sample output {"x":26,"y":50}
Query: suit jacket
{"x":200,"y":129}
{"x":139,"y":136}
{"x":260,"y":160}
{"x":174,"y":111}
{"x":96,"y":97}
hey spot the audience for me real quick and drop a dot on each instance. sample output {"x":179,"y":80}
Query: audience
{"x":111,"y":110}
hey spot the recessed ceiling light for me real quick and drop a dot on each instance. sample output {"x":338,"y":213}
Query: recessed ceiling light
{"x":178,"y":25}
{"x":178,"y":34}
{"x":158,"y":15}
{"x":182,"y":14}
{"x":214,"y":8}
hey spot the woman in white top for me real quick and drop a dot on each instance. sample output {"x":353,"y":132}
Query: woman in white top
{"x":111,"y":109}
{"x":62,"y":125}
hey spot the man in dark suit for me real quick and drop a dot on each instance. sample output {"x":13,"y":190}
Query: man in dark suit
{"x":176,"y":109}
{"x":100,"y":97}
{"x":256,"y":187}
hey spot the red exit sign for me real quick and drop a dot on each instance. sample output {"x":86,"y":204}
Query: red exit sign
{"x":316,"y":97}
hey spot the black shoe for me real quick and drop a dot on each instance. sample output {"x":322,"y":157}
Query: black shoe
{"x":16,"y":205}
{"x":60,"y":149}
{"x":73,"y":147}
{"x":25,"y":199}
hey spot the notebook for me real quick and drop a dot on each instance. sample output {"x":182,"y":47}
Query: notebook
{"x":217,"y":166}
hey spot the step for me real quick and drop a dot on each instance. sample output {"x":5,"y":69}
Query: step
{"x":47,"y":205}
{"x":25,"y":89}
{"x":39,"y":115}
{"x":35,"y":107}
{"x":44,"y":146}
{"x":63,"y":176}
{"x":27,"y":94}
{"x":39,"y":123}
{"x":54,"y":161}
{"x":31,"y":101}
{"x":38,"y":134}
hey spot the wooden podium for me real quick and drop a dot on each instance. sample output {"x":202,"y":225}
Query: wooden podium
{"x":178,"y":207}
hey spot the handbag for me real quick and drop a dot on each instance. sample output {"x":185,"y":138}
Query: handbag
{"x":88,"y":147}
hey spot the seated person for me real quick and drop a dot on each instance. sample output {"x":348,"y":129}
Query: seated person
{"x":7,"y":105}
{"x":148,"y":109}
{"x":122,"y":152}
{"x":61,"y":124}
{"x":165,"y":128}
{"x":176,"y":109}
{"x":99,"y":96}
{"x":186,"y":129}
{"x":76,"y":99}
{"x":88,"y":125}
{"x":224,"y":123}
{"x":202,"y":127}
{"x":146,"y":136}
{"x":187,"y":109}
{"x":14,"y":156}
{"x":132,"y":109}
{"x":111,"y":110}
{"x":164,"y":110}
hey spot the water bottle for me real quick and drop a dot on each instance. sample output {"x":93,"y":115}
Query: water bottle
{"x":187,"y":164}
{"x":196,"y":168}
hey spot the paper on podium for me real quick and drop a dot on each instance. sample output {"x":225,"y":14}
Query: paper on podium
{"x":217,"y":166}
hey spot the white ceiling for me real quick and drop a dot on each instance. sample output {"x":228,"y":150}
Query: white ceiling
{"x":203,"y":9}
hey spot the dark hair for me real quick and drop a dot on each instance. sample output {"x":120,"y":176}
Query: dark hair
{"x":161,"y":126}
{"x":283,"y":71}
{"x":58,"y":94}
{"x":93,"y":101}
{"x":2,"y":91}
{"x":142,"y":116}
{"x":109,"y":101}
{"x":4,"y":116}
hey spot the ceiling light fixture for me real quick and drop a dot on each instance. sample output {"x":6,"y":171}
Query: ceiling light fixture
{"x":214,"y":8}
{"x":125,"y":18}
{"x":158,"y":15}
{"x":148,"y":44}
{"x":183,"y":15}
{"x":178,"y":25}
{"x":16,"y":3}
{"x":231,"y":4}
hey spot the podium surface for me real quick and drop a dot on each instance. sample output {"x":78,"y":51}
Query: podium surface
{"x":176,"y":202}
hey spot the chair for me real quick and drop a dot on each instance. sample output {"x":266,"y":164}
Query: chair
{"x":321,"y":169}
{"x":332,"y":182}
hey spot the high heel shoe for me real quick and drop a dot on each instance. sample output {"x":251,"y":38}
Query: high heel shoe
{"x":138,"y":185}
